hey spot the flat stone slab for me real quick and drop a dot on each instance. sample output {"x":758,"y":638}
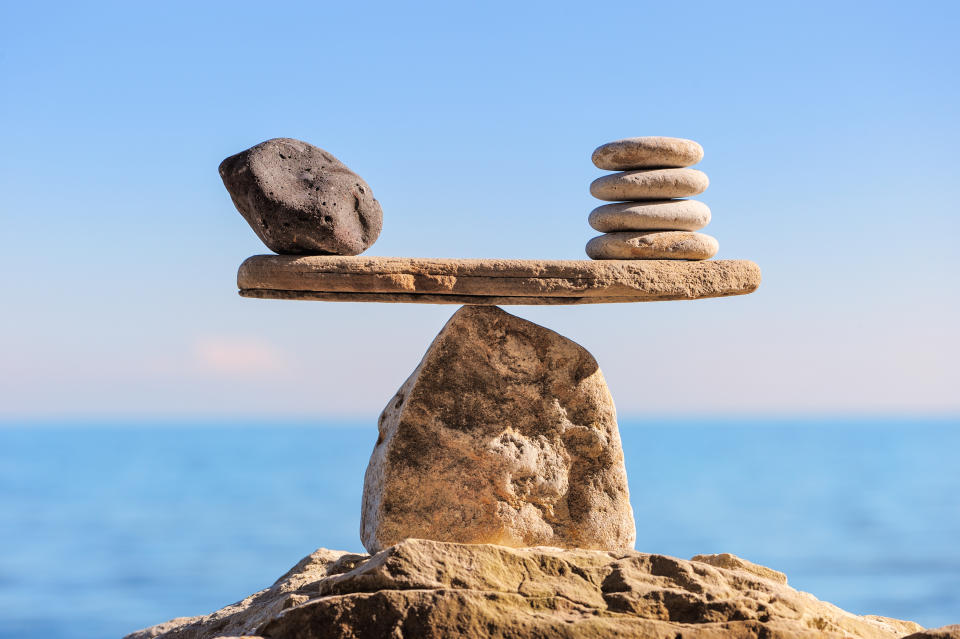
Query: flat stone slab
{"x":497,"y":282}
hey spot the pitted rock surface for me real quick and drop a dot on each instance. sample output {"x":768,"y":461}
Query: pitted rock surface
{"x":505,"y":433}
{"x":432,"y":589}
{"x":299,"y":199}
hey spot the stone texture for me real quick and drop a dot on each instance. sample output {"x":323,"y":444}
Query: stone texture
{"x":438,"y":590}
{"x":243,"y":618}
{"x":647,"y":152}
{"x":945,"y":632}
{"x":726,"y":560}
{"x":653,"y":184}
{"x":491,"y":281}
{"x":657,"y":215}
{"x":506,"y":434}
{"x":299,"y":199}
{"x":652,"y":245}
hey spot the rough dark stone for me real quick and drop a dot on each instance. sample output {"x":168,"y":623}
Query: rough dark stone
{"x":299,"y":199}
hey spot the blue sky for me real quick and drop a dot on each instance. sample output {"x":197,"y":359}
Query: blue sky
{"x":830,"y":132}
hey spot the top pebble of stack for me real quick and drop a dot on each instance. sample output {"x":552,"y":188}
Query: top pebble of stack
{"x":647,"y":153}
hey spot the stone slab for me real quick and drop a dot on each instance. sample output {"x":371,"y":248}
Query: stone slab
{"x":491,"y":281}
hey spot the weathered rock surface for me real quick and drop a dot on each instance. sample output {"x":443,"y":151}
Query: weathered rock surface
{"x":505,"y":434}
{"x":945,"y":632}
{"x":299,"y":199}
{"x":438,"y":590}
{"x":666,"y":215}
{"x":647,"y":152}
{"x":652,"y":245}
{"x":653,"y":184}
{"x":491,"y":281}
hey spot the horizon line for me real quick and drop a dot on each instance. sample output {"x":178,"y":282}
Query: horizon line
{"x":355,"y":421}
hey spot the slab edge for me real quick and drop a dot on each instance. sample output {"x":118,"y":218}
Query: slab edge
{"x":417,"y":279}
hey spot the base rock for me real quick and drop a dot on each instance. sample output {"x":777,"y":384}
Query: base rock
{"x":430,"y":589}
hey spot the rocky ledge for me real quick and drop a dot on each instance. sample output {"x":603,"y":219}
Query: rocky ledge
{"x":421,"y":588}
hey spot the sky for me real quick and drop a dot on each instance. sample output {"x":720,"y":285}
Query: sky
{"x":830,"y":133}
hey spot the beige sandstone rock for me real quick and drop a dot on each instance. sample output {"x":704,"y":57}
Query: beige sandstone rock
{"x":652,"y":245}
{"x":666,"y":215}
{"x":430,"y":589}
{"x":647,"y":152}
{"x":490,"y":281}
{"x":732,"y":562}
{"x":653,"y":184}
{"x":243,"y":618}
{"x":505,"y":433}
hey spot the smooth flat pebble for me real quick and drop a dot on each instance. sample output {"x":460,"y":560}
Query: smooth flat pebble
{"x":653,"y":184}
{"x":647,"y":153}
{"x":652,"y":245}
{"x":656,"y":215}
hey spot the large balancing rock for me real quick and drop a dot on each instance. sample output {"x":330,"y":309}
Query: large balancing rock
{"x":299,"y":199}
{"x":504,"y":434}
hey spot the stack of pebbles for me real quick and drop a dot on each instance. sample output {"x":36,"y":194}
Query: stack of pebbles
{"x":648,"y":221}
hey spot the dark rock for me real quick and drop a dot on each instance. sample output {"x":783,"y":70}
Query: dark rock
{"x":299,"y":199}
{"x":944,"y":632}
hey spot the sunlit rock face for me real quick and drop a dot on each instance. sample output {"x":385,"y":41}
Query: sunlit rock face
{"x":422,"y":588}
{"x":504,"y":434}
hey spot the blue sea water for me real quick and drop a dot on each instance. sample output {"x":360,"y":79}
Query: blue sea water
{"x":107,"y":529}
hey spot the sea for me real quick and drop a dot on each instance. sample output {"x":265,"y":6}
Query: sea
{"x":106,"y":528}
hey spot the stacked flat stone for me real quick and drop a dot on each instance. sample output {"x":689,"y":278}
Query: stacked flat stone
{"x":648,"y":220}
